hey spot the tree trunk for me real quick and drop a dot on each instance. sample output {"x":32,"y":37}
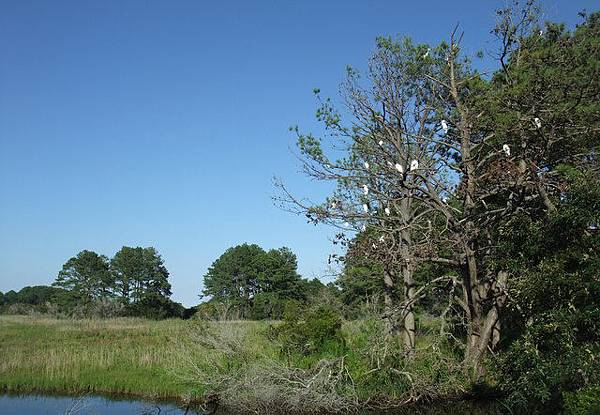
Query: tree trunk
{"x":408,"y":317}
{"x":484,"y":331}
{"x":388,"y":300}
{"x":408,"y":282}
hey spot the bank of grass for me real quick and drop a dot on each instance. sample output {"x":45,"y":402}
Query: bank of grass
{"x":112,"y":356}
{"x":185,"y":360}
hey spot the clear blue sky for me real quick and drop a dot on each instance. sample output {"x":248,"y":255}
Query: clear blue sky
{"x":162,"y":123}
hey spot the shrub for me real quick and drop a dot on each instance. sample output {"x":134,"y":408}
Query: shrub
{"x":310,"y":331}
{"x":583,"y":402}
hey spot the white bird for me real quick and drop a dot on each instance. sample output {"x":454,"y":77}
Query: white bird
{"x":399,"y":168}
{"x":538,"y":122}
{"x":380,"y":142}
{"x":506,"y":149}
{"x":387,"y":211}
{"x":445,"y":126}
{"x":414,"y":165}
{"x":374,"y":246}
{"x":333,"y":205}
{"x":367,"y":165}
{"x":366,"y":189}
{"x":427,"y":53}
{"x":365,"y":207}
{"x":541,"y":33}
{"x":363,"y":228}
{"x":381,"y":238}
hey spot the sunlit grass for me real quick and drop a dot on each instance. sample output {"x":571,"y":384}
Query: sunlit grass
{"x":175,"y":359}
{"x":122,"y":355}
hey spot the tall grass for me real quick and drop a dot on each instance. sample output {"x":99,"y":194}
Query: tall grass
{"x":235,"y":360}
{"x":122,"y":356}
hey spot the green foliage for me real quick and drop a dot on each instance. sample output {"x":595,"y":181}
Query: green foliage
{"x":308,"y":331}
{"x":139,"y":272}
{"x":585,"y":401}
{"x":141,"y":281}
{"x":233,"y":277}
{"x":155,"y":306}
{"x":88,"y":275}
{"x":553,"y":327}
{"x":254,"y":283}
{"x":135,"y":282}
{"x":36,"y":295}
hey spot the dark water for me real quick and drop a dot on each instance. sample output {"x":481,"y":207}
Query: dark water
{"x":96,"y":405}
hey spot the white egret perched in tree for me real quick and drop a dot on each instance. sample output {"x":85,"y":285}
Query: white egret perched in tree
{"x":365,"y":207}
{"x":414,"y":165}
{"x":366,"y":189}
{"x":399,"y":168}
{"x":426,"y":54}
{"x":367,"y":165}
{"x":445,"y":126}
{"x":538,"y":122}
{"x":380,"y":142}
{"x":387,"y":211}
{"x":506,"y":149}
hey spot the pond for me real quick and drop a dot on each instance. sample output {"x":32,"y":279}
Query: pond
{"x":97,"y":405}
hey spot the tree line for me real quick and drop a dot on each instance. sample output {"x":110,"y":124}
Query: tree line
{"x":134,"y":282}
{"x":245,"y":282}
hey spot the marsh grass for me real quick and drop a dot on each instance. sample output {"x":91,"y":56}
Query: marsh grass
{"x":235,"y":360}
{"x":121,"y":356}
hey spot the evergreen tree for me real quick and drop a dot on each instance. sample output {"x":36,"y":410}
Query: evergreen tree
{"x":87,"y":275}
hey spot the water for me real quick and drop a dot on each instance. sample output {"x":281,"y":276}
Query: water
{"x":97,"y":405}
{"x":84,"y":405}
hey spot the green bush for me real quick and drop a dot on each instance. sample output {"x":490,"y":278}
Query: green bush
{"x":583,"y":402}
{"x":316,"y":330}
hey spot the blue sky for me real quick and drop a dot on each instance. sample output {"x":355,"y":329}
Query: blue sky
{"x":155,"y":123}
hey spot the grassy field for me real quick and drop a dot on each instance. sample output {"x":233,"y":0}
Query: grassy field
{"x":122,"y":355}
{"x":184,"y":359}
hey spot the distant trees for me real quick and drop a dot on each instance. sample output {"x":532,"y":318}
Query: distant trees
{"x":135,"y":280}
{"x":254,"y":283}
{"x":39,"y":298}
{"x":88,"y":275}
{"x":141,"y":280}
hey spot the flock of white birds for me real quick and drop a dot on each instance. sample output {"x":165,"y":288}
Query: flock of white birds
{"x":414,"y":165}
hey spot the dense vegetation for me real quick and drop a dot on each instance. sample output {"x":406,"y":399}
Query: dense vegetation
{"x":134,"y":282}
{"x":476,"y":198}
{"x":245,"y":282}
{"x":249,"y":282}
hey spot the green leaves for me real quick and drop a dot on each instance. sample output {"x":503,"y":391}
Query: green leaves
{"x":254,"y":282}
{"x":87,"y":274}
